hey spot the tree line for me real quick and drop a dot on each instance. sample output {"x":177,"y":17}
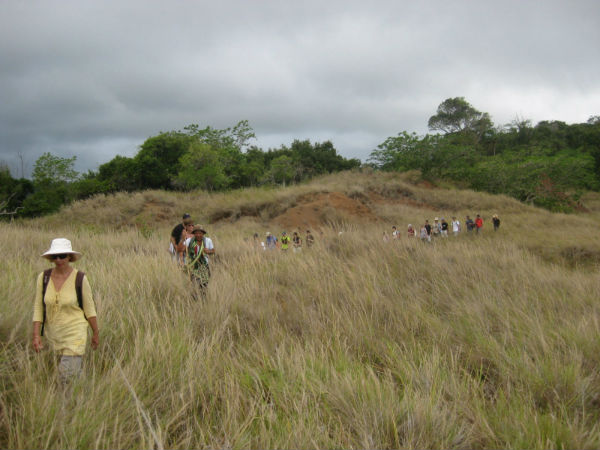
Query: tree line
{"x":550,"y":164}
{"x":195,"y":158}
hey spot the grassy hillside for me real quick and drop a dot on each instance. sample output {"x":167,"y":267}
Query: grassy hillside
{"x":474,"y":342}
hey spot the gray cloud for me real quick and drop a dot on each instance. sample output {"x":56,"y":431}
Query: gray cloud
{"x":95,"y":79}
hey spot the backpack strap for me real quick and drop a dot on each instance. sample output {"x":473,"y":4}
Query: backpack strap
{"x":45,"y":282}
{"x":78,"y":290}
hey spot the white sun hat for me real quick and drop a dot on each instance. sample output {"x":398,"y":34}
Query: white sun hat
{"x":61,"y":246}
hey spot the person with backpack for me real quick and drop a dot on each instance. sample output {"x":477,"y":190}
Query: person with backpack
{"x":297,"y":242}
{"x":63,"y":309}
{"x":469,"y":224}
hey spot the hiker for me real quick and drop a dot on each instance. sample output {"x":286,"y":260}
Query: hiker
{"x":199,"y":247}
{"x":386,"y":238}
{"x":496,"y":222}
{"x":177,"y":248}
{"x":285,"y":241}
{"x":310,"y":239}
{"x":436,"y":228}
{"x":478,"y":223}
{"x":297,"y":242}
{"x":469,"y":224}
{"x":455,"y":224}
{"x":63,"y":309}
{"x":270,"y":241}
{"x":424,"y":235}
{"x":428,"y":229}
{"x":395,"y":233}
{"x":444,"y":228}
{"x":187,"y":235}
{"x":258,"y":244}
{"x":411,"y":231}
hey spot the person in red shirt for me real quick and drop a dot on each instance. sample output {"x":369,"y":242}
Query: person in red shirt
{"x":478,"y":223}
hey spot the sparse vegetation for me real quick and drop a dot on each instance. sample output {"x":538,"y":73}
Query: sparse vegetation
{"x":474,"y":342}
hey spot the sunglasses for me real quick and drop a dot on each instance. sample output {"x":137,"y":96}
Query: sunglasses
{"x":61,"y":256}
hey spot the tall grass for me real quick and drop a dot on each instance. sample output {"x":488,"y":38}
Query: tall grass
{"x":473,"y":342}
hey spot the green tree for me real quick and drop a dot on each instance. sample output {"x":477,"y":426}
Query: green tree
{"x":456,"y":115}
{"x":51,"y":177}
{"x":54,"y":169}
{"x":13,"y":193}
{"x":120,"y":174}
{"x":282,"y":170}
{"x":157,"y":161}
{"x":202,"y":167}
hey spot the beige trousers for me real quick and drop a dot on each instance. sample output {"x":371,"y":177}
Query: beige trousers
{"x":69,"y":368}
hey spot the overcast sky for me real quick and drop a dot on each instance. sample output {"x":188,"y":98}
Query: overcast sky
{"x":94,"y":79}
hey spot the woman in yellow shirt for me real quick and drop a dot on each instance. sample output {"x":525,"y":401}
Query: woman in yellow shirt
{"x":63,"y":320}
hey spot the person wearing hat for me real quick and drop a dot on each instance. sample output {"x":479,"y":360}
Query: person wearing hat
{"x":198,"y":249}
{"x":57,"y":310}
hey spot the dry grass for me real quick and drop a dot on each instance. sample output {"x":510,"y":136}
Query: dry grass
{"x":474,"y":342}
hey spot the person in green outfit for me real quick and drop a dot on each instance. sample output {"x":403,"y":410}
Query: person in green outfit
{"x":285,"y":241}
{"x":197,"y":260}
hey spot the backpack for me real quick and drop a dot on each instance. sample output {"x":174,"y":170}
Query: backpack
{"x":78,"y":290}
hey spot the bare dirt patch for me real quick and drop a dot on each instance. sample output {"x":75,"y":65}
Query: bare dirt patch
{"x":315,"y":210}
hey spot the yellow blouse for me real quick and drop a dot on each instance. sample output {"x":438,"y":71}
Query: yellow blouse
{"x":66,"y":326}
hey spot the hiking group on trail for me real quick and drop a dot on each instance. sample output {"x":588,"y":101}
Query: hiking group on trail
{"x":441,"y":228}
{"x":64,"y":306}
{"x":272,"y":243}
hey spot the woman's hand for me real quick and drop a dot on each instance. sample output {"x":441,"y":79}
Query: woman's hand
{"x":95,"y":340}
{"x":37,"y":343}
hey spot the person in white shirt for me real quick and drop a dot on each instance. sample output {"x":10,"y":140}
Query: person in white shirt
{"x":455,"y":226}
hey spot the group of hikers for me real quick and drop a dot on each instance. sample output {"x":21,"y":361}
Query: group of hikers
{"x":64,"y":306}
{"x":271,"y":241}
{"x":190,"y":247}
{"x":441,"y":228}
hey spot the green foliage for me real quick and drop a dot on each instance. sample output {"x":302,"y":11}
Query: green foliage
{"x":53,"y":169}
{"x":46,"y":199}
{"x":282,"y":170}
{"x":548,"y":165}
{"x":120,"y":174}
{"x":88,"y":185}
{"x":52,"y":176}
{"x":157,"y":162}
{"x":12,"y":193}
{"x":202,"y":167}
{"x":455,"y":115}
